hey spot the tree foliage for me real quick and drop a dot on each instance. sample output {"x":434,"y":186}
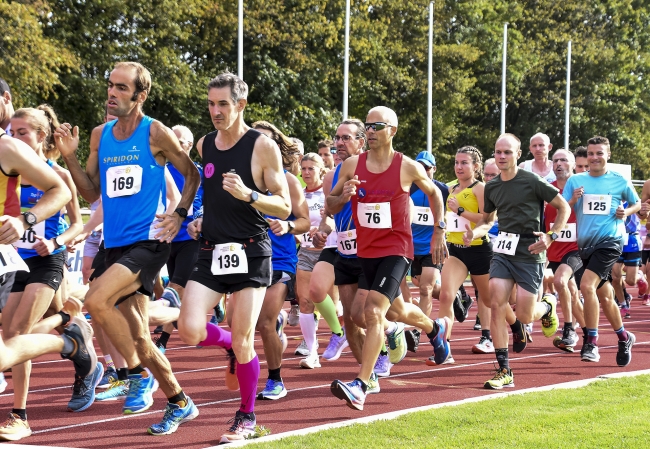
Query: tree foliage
{"x":61,"y":51}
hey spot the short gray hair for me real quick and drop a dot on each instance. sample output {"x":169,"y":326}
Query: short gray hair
{"x":238,"y":88}
{"x":544,"y":137}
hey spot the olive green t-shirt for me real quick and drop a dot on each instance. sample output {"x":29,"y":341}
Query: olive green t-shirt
{"x":520,"y":204}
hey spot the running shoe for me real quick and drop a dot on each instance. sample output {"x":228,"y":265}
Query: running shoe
{"x":568,"y":341}
{"x":440,"y":344}
{"x":294,"y":315}
{"x":158,"y":330}
{"x":503,"y":378}
{"x":243,"y":427}
{"x":279,"y":327}
{"x":220,"y":311}
{"x":83,"y":390}
{"x":589,"y":353}
{"x":302,"y":348}
{"x":311,"y":361}
{"x":118,"y":390}
{"x":397,"y":344}
{"x":642,"y":284}
{"x":484,"y":346}
{"x":232,"y":383}
{"x":477,"y":324}
{"x":624,"y":354}
{"x":519,"y":338}
{"x":84,"y":356}
{"x":140,"y":396}
{"x":625,"y":310}
{"x":646,"y":300}
{"x":459,"y":310}
{"x":412,"y":339}
{"x":382,"y":366}
{"x":110,"y":376}
{"x":335,"y":347}
{"x":351,"y":393}
{"x":174,"y":416}
{"x":273,"y":390}
{"x":157,"y":344}
{"x":431,"y":361}
{"x":373,"y":384}
{"x":14,"y":429}
{"x":3,"y":382}
{"x":550,"y":321}
{"x":172,"y":296}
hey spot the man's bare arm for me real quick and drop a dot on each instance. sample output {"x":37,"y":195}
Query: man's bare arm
{"x":344,"y":188}
{"x":87,"y":181}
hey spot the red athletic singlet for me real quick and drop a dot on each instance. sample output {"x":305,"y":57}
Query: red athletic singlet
{"x":9,"y":192}
{"x":558,"y":250}
{"x":381,"y":212}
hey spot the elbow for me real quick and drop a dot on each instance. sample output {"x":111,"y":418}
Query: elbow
{"x":286,"y":210}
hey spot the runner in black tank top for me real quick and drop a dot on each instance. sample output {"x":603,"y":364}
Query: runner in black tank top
{"x":240,"y":166}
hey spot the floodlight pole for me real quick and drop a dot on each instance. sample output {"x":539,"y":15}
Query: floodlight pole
{"x":503,"y":78}
{"x":568,"y":98}
{"x":347,"y":60}
{"x":240,"y":44}
{"x":430,"y":82}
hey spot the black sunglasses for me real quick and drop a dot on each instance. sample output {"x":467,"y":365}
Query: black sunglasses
{"x":377,"y":126}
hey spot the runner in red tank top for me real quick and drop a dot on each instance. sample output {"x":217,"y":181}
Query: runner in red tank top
{"x":378,"y":183}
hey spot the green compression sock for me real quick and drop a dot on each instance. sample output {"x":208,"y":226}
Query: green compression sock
{"x":327,"y":310}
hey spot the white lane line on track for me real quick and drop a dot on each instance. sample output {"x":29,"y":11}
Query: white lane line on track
{"x":370,"y":418}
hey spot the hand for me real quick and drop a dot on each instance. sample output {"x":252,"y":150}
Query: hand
{"x":620,"y":212}
{"x":318,"y":239}
{"x":169,"y":226}
{"x":194,"y":228}
{"x":11,"y":230}
{"x":542,"y":244}
{"x":78,"y":239}
{"x":66,"y":139}
{"x":350,"y":188}
{"x":468,"y":235}
{"x":577,"y":193}
{"x":233,"y":184}
{"x":44,"y":247}
{"x":452,"y":203}
{"x":278,"y":227}
{"x":645,"y":209}
{"x":438,"y":247}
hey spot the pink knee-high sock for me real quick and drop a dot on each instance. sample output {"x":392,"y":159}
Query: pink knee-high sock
{"x":248,"y":375}
{"x":217,"y":337}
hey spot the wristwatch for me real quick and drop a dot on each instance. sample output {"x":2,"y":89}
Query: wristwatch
{"x":30,"y":218}
{"x":442,"y":225}
{"x":460,"y":211}
{"x":253,"y":197}
{"x":553,"y":235}
{"x":291,"y":226}
{"x":56,"y":242}
{"x":182,"y":212}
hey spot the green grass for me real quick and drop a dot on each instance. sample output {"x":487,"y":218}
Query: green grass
{"x":606,"y":414}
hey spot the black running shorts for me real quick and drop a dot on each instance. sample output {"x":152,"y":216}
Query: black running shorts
{"x":46,"y":270}
{"x":572,"y":259}
{"x":182,"y":259}
{"x":423,"y":261}
{"x":99,"y":263}
{"x":477,"y":258}
{"x":385,"y":274}
{"x":328,"y":255}
{"x":146,"y":257}
{"x":347,"y":271}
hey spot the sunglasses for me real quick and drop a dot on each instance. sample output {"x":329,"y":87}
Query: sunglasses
{"x":377,"y":126}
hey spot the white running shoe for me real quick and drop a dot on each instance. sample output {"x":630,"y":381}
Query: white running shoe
{"x":311,"y":361}
{"x":484,"y":346}
{"x":3,"y":382}
{"x":302,"y":349}
{"x":294,"y":315}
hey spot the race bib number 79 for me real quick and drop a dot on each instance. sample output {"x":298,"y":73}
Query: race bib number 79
{"x":123,"y":180}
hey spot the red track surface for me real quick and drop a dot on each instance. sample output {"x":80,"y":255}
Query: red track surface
{"x":309,"y":402}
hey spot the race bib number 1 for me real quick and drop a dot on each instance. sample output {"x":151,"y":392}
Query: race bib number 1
{"x":28,"y":240}
{"x":10,"y":260}
{"x":374,"y":215}
{"x":596,"y":204}
{"x":456,"y":223}
{"x":422,"y":216}
{"x":229,"y":258}
{"x":347,"y":242}
{"x":506,"y":243}
{"x":568,"y":234}
{"x":124,"y":180}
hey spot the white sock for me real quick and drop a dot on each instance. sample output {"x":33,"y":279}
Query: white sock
{"x":391,"y":327}
{"x":308,"y":328}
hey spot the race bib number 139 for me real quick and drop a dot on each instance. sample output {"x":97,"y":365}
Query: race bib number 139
{"x":229,"y":258}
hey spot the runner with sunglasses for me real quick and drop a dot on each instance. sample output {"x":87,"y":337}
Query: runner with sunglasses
{"x":378,"y":183}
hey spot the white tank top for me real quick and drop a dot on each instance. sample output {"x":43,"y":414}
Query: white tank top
{"x":550,"y":177}
{"x":315,"y":202}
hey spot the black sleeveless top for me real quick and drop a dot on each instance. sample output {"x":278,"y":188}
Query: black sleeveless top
{"x":225,"y":218}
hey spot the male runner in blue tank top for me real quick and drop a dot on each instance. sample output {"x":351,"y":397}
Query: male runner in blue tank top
{"x":126,"y":167}
{"x":240,"y":167}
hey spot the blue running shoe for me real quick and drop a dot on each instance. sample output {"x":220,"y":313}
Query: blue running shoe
{"x":351,"y":393}
{"x":118,"y":390}
{"x":174,"y":416}
{"x":439,"y":342}
{"x":274,"y":390}
{"x":140,"y":396}
{"x":172,"y":296}
{"x":110,"y":376}
{"x":83,"y":390}
{"x":220,"y":311}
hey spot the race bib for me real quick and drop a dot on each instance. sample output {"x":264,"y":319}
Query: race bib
{"x":374,"y":215}
{"x":229,"y":258}
{"x":28,"y":240}
{"x":626,"y":238}
{"x":305,"y":240}
{"x":456,"y":223}
{"x":123,"y":180}
{"x":347,"y":242}
{"x":10,"y":260}
{"x":422,"y":216}
{"x":568,"y":234}
{"x":596,"y":204}
{"x":506,"y":243}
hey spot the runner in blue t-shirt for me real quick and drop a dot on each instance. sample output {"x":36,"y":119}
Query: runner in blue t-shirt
{"x":597,"y":199}
{"x":630,"y":261}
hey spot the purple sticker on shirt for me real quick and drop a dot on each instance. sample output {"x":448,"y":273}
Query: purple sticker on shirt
{"x":209,"y":170}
